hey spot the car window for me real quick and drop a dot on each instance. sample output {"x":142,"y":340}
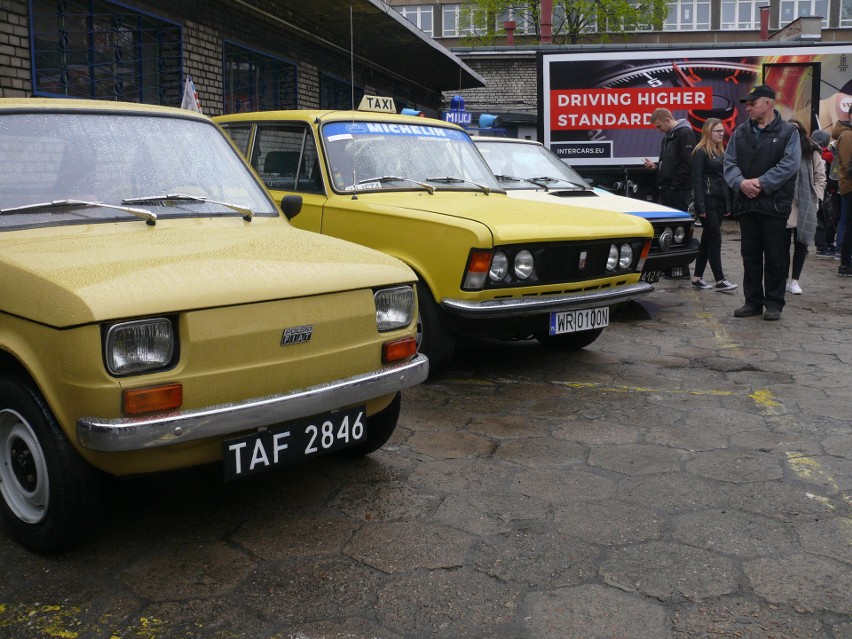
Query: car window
{"x":286,"y":158}
{"x":526,"y":161}
{"x":359,"y":153}
{"x":110,"y":158}
{"x":240,"y":135}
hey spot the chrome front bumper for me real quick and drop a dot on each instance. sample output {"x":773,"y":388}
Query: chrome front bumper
{"x":517,"y":307}
{"x":141,"y":433}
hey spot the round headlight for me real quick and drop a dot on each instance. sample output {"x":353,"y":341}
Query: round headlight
{"x":524,"y":264}
{"x":612,"y":260}
{"x":679,"y":235}
{"x":499,"y":267}
{"x":625,"y":259}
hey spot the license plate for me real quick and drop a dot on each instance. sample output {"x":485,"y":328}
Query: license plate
{"x":293,"y":442}
{"x":652,"y":277}
{"x":583,"y":320}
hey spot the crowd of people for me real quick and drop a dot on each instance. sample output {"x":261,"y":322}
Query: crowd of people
{"x":788,"y":191}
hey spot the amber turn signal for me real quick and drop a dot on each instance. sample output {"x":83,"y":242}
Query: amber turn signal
{"x":148,"y":400}
{"x":401,"y":349}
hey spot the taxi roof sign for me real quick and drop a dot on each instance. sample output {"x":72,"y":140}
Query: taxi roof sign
{"x":377,"y":103}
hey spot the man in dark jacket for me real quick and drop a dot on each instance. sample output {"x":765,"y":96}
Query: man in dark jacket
{"x":674,"y":176}
{"x":761,"y":163}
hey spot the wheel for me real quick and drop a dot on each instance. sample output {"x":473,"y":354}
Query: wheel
{"x":433,"y":339}
{"x":379,"y":429}
{"x":570,"y":341}
{"x":50,"y":494}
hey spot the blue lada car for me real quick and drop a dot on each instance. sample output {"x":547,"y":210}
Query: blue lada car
{"x":528,"y":170}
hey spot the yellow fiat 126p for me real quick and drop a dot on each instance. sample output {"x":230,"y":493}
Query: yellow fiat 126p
{"x":419,"y":190}
{"x":156,"y":312}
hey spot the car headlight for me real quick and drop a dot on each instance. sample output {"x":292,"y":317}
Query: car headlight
{"x":625,"y":257}
{"x":499,"y":267}
{"x":524,"y":264}
{"x":612,"y":259}
{"x":394,"y":308}
{"x":140,"y":346}
{"x":679,"y":235}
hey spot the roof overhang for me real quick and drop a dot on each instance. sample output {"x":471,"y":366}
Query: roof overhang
{"x":380,"y":38}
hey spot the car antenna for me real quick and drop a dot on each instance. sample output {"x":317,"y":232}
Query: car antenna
{"x":352,"y":92}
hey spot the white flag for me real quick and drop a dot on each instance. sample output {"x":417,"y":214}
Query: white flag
{"x":190,"y":96}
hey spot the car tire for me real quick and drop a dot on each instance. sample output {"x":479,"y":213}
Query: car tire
{"x":50,"y":495}
{"x":380,"y":427}
{"x":434,"y":340}
{"x":570,"y":341}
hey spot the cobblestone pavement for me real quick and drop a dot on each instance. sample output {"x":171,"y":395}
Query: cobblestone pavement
{"x":688,"y":475}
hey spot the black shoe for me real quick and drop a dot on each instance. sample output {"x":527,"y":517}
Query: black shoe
{"x":772,"y":314}
{"x":845,"y":270}
{"x":747,"y":311}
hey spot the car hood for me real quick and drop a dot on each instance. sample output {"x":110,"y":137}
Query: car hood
{"x":515,"y":220}
{"x":72,"y":275}
{"x":598,"y":200}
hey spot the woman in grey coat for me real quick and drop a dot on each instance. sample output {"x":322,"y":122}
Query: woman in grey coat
{"x":802,"y":223}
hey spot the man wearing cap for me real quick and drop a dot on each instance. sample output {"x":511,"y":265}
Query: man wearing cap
{"x":761,"y":163}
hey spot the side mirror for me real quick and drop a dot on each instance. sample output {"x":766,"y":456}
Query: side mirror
{"x":291,"y":205}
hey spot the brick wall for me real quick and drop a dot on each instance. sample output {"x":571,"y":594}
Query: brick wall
{"x":511,"y":86}
{"x":15,"y":68}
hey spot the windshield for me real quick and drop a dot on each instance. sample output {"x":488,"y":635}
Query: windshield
{"x":69,"y":163}
{"x":528,"y":166}
{"x":367,"y":155}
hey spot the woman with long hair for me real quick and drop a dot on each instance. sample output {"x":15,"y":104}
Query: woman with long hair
{"x":802,"y":223}
{"x":711,"y":201}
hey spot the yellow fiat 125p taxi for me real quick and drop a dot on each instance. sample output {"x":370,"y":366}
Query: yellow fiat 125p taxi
{"x":156,"y":312}
{"x":419,"y":189}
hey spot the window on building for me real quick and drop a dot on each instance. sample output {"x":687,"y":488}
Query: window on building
{"x":257,"y":82}
{"x":421,"y":16}
{"x":846,"y":13}
{"x":792,"y":9}
{"x":458,"y":21}
{"x":99,"y":50}
{"x":524,"y":21}
{"x":688,"y":15}
{"x":741,"y":14}
{"x":338,"y":94}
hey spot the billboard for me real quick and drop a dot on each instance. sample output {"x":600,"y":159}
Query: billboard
{"x":596,"y":107}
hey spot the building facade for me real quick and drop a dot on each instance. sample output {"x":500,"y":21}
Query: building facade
{"x":242,"y":55}
{"x":510,"y":69}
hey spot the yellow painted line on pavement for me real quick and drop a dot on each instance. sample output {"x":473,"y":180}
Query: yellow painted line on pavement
{"x":719,"y":331}
{"x":56,"y":622}
{"x":810,"y":470}
{"x":762,"y":397}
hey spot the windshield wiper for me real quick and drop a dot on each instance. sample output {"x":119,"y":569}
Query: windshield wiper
{"x":457,"y":180}
{"x":394,"y":178}
{"x":514,"y":178}
{"x":545,"y":180}
{"x":150,"y":218}
{"x":239,"y":208}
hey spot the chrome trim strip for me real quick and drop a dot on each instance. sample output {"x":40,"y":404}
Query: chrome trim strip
{"x":141,"y":433}
{"x":515,"y":307}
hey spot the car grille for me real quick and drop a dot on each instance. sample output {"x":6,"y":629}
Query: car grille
{"x":562,"y":263}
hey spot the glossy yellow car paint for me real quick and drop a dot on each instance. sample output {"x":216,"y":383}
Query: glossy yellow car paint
{"x":431,"y":222}
{"x":233,"y":281}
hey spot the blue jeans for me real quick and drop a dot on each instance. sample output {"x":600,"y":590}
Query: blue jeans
{"x":844,"y":239}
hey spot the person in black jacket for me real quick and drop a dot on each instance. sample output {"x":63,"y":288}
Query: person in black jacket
{"x":711,"y":201}
{"x":761,"y":164}
{"x":674,"y":176}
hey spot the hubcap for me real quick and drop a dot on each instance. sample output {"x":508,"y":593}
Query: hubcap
{"x":23,"y":469}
